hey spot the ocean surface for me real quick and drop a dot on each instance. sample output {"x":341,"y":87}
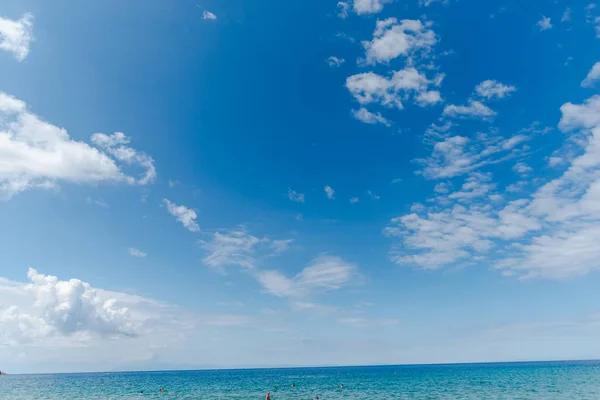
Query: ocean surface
{"x":552,"y":380}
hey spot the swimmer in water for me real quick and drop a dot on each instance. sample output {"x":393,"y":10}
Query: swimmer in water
{"x":268,"y":396}
{"x":342,"y":386}
{"x":162,"y":390}
{"x":293,"y":385}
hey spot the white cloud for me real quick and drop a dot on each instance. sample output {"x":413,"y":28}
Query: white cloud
{"x":366,"y":116}
{"x":372,"y":195}
{"x":279,"y":246}
{"x":235,"y":248}
{"x":392,"y":39}
{"x":295,"y":196}
{"x":442,"y":188}
{"x":428,"y":98}
{"x":16,"y":36}
{"x":475,"y":109}
{"x":521,"y":168}
{"x":335,"y":62}
{"x":87,"y":328}
{"x":457,"y":155}
{"x":354,"y":200}
{"x":550,"y":234}
{"x":37,"y":154}
{"x":592,"y":77}
{"x":476,"y":185}
{"x":566,"y":15}
{"x":390,"y":92}
{"x":324,"y":273}
{"x":100,"y":203}
{"x":493,"y":89}
{"x":66,"y":308}
{"x":239,"y":248}
{"x":136,"y":252}
{"x":362,"y":7}
{"x":185,"y":215}
{"x":544,"y":23}
{"x":208,"y":15}
{"x":329,"y":192}
{"x":427,"y":3}
{"x":116,"y":145}
{"x":343,"y":9}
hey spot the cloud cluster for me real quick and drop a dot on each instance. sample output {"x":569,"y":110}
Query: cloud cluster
{"x":404,"y":84}
{"x":549,"y":234}
{"x":393,"y":38}
{"x":361,"y":7}
{"x":37,"y":154}
{"x":16,"y":36}
{"x":476,"y":108}
{"x":56,"y":307}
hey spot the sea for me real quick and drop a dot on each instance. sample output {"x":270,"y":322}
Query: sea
{"x":539,"y":380}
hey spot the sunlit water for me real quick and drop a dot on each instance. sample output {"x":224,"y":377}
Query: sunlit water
{"x":562,"y":380}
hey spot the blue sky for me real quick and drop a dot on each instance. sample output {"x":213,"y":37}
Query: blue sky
{"x":218,"y":184}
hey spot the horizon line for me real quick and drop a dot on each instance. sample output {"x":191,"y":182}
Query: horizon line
{"x":591,"y":360}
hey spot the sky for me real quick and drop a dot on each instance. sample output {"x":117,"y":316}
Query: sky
{"x":219,"y":184}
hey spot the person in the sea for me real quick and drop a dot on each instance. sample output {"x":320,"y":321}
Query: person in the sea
{"x":268,"y":396}
{"x":342,"y":386}
{"x":162,"y":390}
{"x":293,"y":385}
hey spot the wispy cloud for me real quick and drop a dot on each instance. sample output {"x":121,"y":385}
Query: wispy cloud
{"x":100,"y":203}
{"x":295,"y":196}
{"x":324,"y":273}
{"x":136,"y":252}
{"x":183,"y":214}
{"x":329,"y":192}
{"x":335,"y":62}
{"x":372,"y":195}
{"x":366,"y":116}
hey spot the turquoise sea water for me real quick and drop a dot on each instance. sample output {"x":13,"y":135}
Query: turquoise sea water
{"x":556,"y":380}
